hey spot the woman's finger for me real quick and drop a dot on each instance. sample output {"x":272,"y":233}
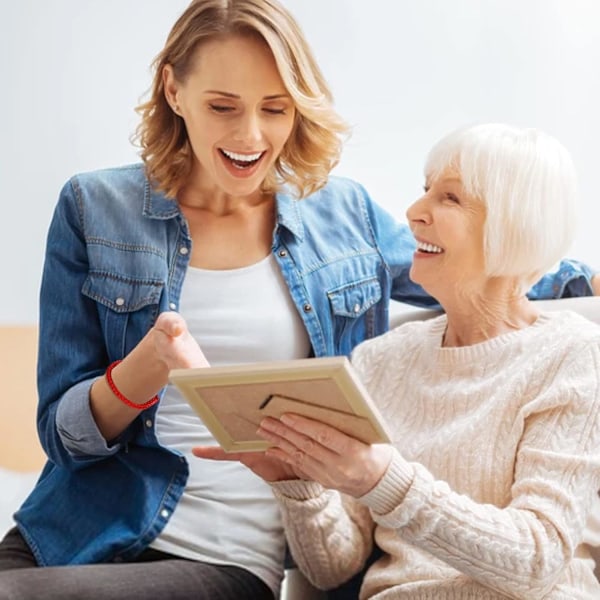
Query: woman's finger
{"x":311,"y":436}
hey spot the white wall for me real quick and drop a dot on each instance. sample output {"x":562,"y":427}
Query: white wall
{"x":403,"y":72}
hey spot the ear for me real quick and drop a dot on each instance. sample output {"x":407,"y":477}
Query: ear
{"x":171,"y":88}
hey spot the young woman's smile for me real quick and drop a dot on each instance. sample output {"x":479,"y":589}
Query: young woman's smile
{"x":237,"y":111}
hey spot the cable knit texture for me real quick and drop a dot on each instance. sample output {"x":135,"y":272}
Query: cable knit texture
{"x":497,"y":466}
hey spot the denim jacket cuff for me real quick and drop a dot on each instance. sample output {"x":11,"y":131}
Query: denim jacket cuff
{"x":572,"y":279}
{"x":76,"y":425}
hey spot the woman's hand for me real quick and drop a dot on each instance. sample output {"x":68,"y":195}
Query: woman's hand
{"x":174,"y":344}
{"x":268,"y":468}
{"x":324,"y":454}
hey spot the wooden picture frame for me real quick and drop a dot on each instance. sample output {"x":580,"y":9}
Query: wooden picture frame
{"x":232,"y":400}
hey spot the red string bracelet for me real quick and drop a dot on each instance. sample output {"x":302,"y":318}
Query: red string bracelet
{"x":120,"y":396}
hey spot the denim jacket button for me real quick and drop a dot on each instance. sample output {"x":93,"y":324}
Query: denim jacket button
{"x":283,"y":253}
{"x":356,"y":308}
{"x":164,"y":513}
{"x":307,"y":307}
{"x":148,"y":423}
{"x":172,"y":306}
{"x":183,"y":250}
{"x":120,"y":301}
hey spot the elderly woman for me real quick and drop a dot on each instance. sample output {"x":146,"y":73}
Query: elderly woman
{"x":494,"y":407}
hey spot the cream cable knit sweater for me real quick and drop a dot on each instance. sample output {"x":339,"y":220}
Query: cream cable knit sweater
{"x":496,"y":467}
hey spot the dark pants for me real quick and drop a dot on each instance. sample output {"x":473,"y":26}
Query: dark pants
{"x":350,"y":589}
{"x":153,"y":576}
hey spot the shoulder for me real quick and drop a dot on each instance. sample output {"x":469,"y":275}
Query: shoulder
{"x":106,"y":202}
{"x":344,"y":200}
{"x":402,"y":341}
{"x":113,"y":180}
{"x":124,"y":191}
{"x":384,"y":362}
{"x":569,"y":329}
{"x":572,"y":344}
{"x":338,"y":190}
{"x":343,"y":187}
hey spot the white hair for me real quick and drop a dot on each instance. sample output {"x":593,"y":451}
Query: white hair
{"x":527,"y":182}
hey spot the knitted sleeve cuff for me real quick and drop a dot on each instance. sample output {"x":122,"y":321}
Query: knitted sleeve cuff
{"x":391,"y":488}
{"x":297,"y":489}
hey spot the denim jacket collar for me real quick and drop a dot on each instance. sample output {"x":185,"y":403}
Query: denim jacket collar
{"x":288,"y":214}
{"x":157,"y":205}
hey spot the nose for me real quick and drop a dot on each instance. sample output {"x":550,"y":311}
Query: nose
{"x":249,"y":129}
{"x":418,"y":211}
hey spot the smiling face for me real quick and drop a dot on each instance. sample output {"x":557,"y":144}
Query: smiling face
{"x":448,"y":225}
{"x":237,"y":112}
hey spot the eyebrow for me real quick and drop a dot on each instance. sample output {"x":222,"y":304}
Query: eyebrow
{"x":237,"y":96}
{"x":458,"y":180}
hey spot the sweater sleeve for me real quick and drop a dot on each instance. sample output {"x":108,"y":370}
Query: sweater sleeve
{"x":329,"y":534}
{"x":520,"y":549}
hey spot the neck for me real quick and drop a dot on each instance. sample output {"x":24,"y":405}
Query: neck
{"x":196,"y":196}
{"x":477,"y":316}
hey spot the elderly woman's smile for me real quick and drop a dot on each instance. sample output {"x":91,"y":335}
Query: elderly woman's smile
{"x":448,"y":225}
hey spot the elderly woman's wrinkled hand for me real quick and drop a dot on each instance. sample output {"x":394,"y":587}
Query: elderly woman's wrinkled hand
{"x":268,"y":468}
{"x":325,"y":454}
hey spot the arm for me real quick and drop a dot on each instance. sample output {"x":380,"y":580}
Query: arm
{"x":529,"y":542}
{"x":71,"y":345}
{"x":519,"y":550}
{"x":330,"y":535}
{"x":79,"y":419}
{"x":571,"y":279}
{"x":168,"y":345}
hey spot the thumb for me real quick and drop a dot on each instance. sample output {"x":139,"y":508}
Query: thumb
{"x":171,"y":324}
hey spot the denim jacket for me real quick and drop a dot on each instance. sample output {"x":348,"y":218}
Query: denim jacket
{"x":117,"y":253}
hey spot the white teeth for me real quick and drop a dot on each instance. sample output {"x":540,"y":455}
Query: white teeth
{"x":429,"y":247}
{"x":241,"y":157}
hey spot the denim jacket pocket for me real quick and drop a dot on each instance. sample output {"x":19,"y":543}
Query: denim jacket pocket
{"x":121,"y":294}
{"x":354,"y":299}
{"x":352,"y":320}
{"x":127,"y":308}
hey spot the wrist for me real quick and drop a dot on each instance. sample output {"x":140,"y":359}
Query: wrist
{"x":121,"y":396}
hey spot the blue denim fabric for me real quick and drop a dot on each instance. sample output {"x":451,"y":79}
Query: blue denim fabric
{"x":117,"y":254}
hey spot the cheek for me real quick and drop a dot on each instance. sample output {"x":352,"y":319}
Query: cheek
{"x":282,"y":133}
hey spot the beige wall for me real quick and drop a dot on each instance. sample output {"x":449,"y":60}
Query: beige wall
{"x":20,"y":449}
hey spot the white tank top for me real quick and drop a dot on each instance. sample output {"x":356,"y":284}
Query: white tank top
{"x":227,"y":515}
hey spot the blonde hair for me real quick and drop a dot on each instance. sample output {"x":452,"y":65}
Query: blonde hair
{"x":314,"y":146}
{"x":527,"y":182}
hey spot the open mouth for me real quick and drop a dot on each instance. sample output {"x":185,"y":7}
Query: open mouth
{"x":427,"y":248}
{"x":241,"y":161}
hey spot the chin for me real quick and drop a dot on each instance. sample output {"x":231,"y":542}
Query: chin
{"x":242,"y":188}
{"x":429,"y":284}
{"x":413,"y":275}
